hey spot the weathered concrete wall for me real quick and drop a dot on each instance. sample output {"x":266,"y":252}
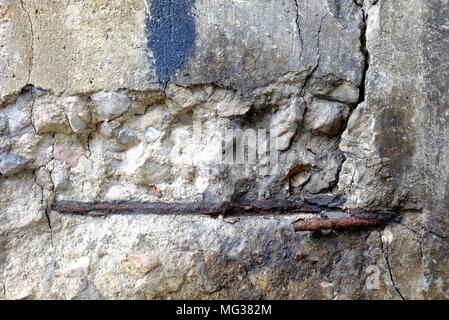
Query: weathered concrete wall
{"x":97,"y":101}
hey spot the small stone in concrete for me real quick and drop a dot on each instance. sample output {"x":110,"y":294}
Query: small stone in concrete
{"x":49,"y":117}
{"x":285,"y":123}
{"x":233,"y":108}
{"x":327,"y":118}
{"x":77,"y":267}
{"x":10,"y":163}
{"x":300,"y":179}
{"x":60,"y":178}
{"x":153,"y":190}
{"x":127,"y":137}
{"x":152,"y":134}
{"x":140,"y":265}
{"x":78,"y":114}
{"x":111,"y":105}
{"x":65,"y":154}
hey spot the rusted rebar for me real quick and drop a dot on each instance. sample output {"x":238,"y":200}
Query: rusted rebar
{"x":326,"y":208}
{"x":355,"y":219}
{"x":253,"y":207}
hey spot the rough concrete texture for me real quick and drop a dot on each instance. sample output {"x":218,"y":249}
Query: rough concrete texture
{"x":97,"y":101}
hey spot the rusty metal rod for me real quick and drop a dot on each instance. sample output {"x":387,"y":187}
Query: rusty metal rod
{"x":254,"y":207}
{"x":355,"y":219}
{"x":318,"y":205}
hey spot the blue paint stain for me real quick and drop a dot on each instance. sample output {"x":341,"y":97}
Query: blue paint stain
{"x":171,"y":30}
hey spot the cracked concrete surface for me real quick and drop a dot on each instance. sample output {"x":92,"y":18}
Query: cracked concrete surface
{"x":81,"y":101}
{"x":384,"y":249}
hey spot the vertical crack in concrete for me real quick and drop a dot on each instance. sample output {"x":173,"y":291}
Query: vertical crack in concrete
{"x":365,"y":52}
{"x":45,"y":205}
{"x":390,"y":270}
{"x":31,"y":62}
{"x":362,"y":87}
{"x":298,"y":27}
{"x":51,"y":197}
{"x":89,"y":139}
{"x":312,"y":73}
{"x":33,"y":101}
